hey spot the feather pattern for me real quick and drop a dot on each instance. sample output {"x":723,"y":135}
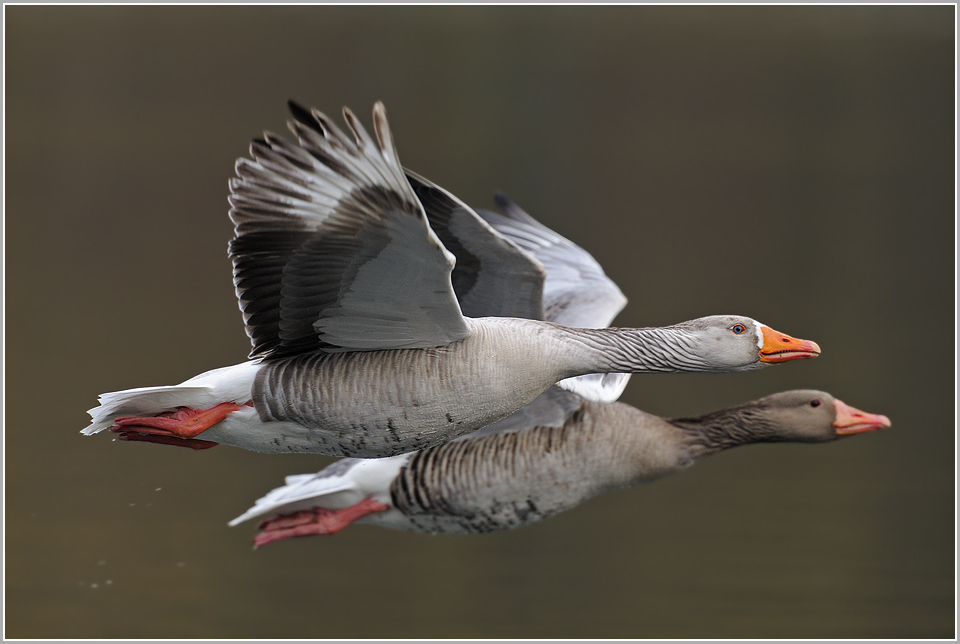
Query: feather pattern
{"x":361,"y":346}
{"x":493,"y":277}
{"x":342,"y":484}
{"x":227,"y":384}
{"x":576,"y":291}
{"x":504,"y":480}
{"x":552,"y":408}
{"x":321,"y":230}
{"x":507,"y":479}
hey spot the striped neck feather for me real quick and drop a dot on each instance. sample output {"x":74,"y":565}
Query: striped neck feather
{"x":749,"y":423}
{"x":644,"y":350}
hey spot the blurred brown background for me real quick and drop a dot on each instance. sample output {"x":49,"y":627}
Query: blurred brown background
{"x":793,"y":164}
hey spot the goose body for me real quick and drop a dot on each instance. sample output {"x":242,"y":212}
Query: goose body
{"x":321,"y":402}
{"x":373,"y":404}
{"x":387,"y":316}
{"x":550,"y":457}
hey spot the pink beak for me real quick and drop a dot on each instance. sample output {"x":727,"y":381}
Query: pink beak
{"x":851,"y":420}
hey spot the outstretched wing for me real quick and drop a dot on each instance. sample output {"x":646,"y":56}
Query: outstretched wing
{"x":493,"y":276}
{"x":332,"y":249}
{"x":576,"y":292}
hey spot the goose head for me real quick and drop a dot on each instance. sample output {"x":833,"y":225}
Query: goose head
{"x":737,"y":343}
{"x":799,"y":416}
{"x":810,"y":416}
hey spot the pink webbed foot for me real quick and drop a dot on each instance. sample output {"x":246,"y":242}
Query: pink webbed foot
{"x":317,"y":521}
{"x":185,"y":423}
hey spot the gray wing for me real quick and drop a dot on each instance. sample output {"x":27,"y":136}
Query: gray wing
{"x":324,"y":228}
{"x":493,"y":276}
{"x":552,"y":408}
{"x":576,"y":293}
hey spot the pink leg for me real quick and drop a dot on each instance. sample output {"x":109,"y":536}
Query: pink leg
{"x":312,"y":522}
{"x":183,"y":423}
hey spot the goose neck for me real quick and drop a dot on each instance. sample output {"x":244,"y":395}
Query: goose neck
{"x":726,"y":428}
{"x":655,"y":349}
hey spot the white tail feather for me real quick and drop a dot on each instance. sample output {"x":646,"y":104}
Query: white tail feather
{"x":227,"y":384}
{"x":341,"y":485}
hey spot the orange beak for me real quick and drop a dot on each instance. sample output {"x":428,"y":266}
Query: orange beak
{"x":853,"y":421}
{"x":780,"y":347}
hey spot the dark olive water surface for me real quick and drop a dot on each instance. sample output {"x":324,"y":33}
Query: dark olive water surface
{"x":793,"y":164}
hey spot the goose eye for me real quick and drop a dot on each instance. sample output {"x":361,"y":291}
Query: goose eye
{"x":738,"y":328}
{"x":815,"y":402}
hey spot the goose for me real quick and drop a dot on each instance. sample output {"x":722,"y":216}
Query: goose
{"x":362,"y":345}
{"x":549,"y":457}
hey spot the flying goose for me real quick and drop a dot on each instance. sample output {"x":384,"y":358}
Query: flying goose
{"x":554,"y":454}
{"x":362,"y":346}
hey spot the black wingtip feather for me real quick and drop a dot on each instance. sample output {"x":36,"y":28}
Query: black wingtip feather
{"x":304,"y":116}
{"x":503,"y":201}
{"x":512,"y":211}
{"x":509,"y":208}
